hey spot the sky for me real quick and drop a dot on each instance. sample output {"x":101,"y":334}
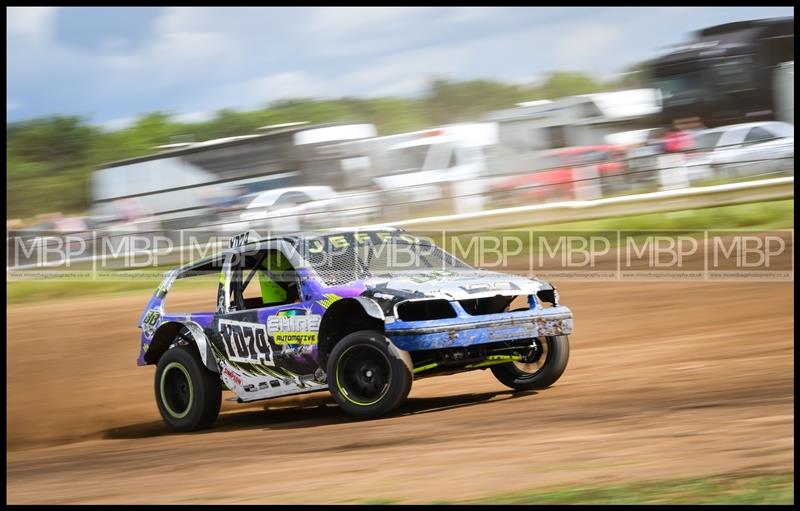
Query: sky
{"x":113,"y":64}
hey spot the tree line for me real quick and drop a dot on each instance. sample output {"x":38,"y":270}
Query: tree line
{"x":49,"y":160}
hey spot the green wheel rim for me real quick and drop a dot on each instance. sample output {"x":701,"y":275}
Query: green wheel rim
{"x":165,"y":400}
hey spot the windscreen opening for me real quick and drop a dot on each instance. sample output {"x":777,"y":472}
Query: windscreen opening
{"x":339,"y":259}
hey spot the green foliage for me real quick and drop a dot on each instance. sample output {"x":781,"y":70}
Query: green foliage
{"x":570,"y":84}
{"x":777,"y":214}
{"x":57,"y":142}
{"x":463,"y":101}
{"x":722,"y":489}
{"x":49,"y":160}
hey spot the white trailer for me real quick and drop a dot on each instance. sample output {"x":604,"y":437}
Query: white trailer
{"x":572,"y":121}
{"x":181,"y":182}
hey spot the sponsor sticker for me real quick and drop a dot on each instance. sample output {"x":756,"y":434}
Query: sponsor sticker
{"x":489,"y":286}
{"x":294,"y":329}
{"x":295,"y":338}
{"x":232,"y":376}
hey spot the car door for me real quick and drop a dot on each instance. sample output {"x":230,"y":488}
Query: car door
{"x":758,"y":150}
{"x":729,"y":146}
{"x":267,"y":348}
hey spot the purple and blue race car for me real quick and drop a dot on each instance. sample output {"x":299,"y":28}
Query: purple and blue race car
{"x":360,"y":313}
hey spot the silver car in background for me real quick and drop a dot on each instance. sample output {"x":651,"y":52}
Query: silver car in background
{"x":305,"y":207}
{"x":750,"y":149}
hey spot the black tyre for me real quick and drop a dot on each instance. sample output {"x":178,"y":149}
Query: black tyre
{"x":540,"y":368}
{"x":365,"y":377}
{"x":187,"y":393}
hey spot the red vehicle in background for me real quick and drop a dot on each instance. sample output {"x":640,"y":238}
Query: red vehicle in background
{"x":562,"y":171}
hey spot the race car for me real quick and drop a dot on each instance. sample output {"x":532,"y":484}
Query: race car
{"x":360,"y":313}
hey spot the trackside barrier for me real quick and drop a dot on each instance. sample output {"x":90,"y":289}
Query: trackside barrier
{"x":538,"y":214}
{"x":571,"y":211}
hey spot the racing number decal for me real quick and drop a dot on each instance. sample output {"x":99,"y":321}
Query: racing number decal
{"x":245,"y":342}
{"x":150,"y":322}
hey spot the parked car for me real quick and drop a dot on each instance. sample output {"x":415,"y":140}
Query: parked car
{"x":748,"y":149}
{"x":303,"y":208}
{"x":359,"y":313}
{"x":560,"y":170}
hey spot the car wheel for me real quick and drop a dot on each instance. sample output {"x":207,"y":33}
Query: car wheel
{"x":540,"y":368}
{"x":187,"y":393}
{"x":366,"y":376}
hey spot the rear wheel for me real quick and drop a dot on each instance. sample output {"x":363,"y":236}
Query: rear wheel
{"x":187,"y":393}
{"x":366,"y":377}
{"x":541,"y":366}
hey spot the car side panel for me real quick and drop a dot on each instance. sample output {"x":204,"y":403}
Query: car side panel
{"x":272,"y":351}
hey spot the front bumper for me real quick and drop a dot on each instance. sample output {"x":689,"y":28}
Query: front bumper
{"x":466,"y":330}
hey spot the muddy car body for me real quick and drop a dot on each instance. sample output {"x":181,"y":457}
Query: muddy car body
{"x":362,"y":314}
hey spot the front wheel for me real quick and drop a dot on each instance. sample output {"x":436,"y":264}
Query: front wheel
{"x":540,"y":367}
{"x":367,"y":376}
{"x":187,"y":393}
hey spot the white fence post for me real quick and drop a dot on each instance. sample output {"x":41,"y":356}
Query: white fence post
{"x":588,"y":186}
{"x":673,"y":174}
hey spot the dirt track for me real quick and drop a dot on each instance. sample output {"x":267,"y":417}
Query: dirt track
{"x":665,"y":380}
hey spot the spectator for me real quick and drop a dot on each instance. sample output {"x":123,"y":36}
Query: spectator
{"x":678,"y":139}
{"x":695,"y":126}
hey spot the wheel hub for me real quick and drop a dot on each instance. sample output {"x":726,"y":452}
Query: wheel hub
{"x":368,"y":374}
{"x":534,"y":352}
{"x":364,"y":373}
